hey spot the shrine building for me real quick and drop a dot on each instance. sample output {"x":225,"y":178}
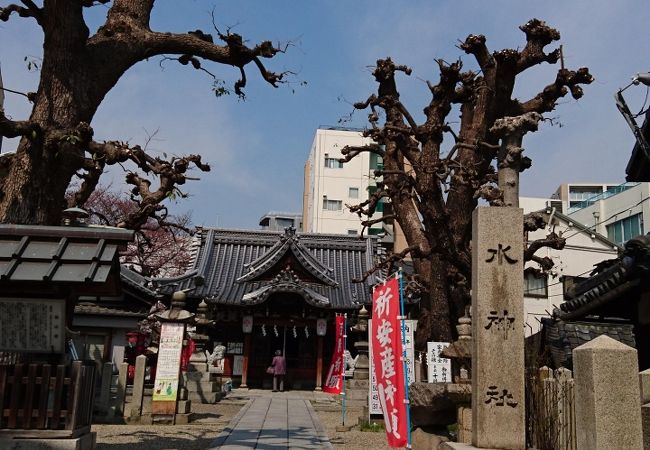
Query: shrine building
{"x":272,"y":291}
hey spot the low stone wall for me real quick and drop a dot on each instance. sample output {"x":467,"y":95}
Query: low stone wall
{"x":436,"y":403}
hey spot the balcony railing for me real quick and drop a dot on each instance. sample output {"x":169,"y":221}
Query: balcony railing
{"x":602,"y":196}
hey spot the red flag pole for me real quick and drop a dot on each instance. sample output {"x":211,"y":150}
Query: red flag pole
{"x":345,"y":336}
{"x":404,"y":358}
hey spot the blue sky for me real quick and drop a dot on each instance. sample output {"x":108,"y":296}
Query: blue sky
{"x":257,"y":148}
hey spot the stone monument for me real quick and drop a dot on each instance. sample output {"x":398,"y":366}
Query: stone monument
{"x":197,"y":380}
{"x":608,"y":401}
{"x":498,"y":376}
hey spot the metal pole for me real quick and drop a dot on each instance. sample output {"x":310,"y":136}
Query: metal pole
{"x":345,"y":336}
{"x":404,"y":358}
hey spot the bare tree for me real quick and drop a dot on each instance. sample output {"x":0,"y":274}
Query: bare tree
{"x":433,"y":193}
{"x":76,"y":73}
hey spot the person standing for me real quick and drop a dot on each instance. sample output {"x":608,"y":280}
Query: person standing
{"x":279,"y":365}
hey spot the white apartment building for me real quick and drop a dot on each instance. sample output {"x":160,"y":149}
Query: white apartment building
{"x":583,"y":250}
{"x":330,"y":185}
{"x":576,"y":195}
{"x":620,"y":213}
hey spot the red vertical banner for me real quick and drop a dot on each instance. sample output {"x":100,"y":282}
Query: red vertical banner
{"x":334,"y":380}
{"x":386,"y":335}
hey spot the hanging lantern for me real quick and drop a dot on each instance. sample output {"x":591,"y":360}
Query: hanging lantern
{"x":132,"y":338}
{"x":247,"y":324}
{"x":321,"y":327}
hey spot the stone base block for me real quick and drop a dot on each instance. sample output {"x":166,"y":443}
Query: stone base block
{"x":458,"y":446}
{"x":422,"y":439}
{"x":182,"y":394}
{"x":464,"y":419}
{"x":357,"y":384}
{"x":356,"y":394}
{"x":203,"y":397}
{"x":182,"y":419}
{"x":202,"y":386}
{"x":197,"y":366}
{"x":183,"y":406}
{"x":85,"y":442}
{"x":195,"y":376}
{"x":645,"y":424}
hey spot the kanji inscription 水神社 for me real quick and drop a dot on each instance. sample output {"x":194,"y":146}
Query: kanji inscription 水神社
{"x":499,"y":397}
{"x":501,"y":254}
{"x":497,"y":328}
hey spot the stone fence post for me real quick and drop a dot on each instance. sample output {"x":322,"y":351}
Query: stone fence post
{"x":644,"y":383}
{"x":120,"y":397}
{"x":607,"y":396}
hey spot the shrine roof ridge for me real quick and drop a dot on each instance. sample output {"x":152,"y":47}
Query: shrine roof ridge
{"x":224,"y":256}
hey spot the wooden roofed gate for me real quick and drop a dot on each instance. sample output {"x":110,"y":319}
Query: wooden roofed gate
{"x":43,"y":272}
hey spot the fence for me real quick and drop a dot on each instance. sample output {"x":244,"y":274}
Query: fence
{"x":550,"y":409}
{"x":46,"y":401}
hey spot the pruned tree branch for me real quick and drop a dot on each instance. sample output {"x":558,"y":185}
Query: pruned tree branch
{"x":29,"y":10}
{"x":551,"y":241}
{"x":350,"y":151}
{"x":386,"y":263}
{"x":566,"y":81}
{"x":12,"y":129}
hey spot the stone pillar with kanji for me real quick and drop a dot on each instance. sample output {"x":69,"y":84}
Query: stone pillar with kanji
{"x":498,"y":412}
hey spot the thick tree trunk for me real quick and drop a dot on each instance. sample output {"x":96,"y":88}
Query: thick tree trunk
{"x":434,"y":320}
{"x":69,"y":93}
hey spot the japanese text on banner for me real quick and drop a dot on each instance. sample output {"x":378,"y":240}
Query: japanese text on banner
{"x":387,"y":364}
{"x":334,"y":380}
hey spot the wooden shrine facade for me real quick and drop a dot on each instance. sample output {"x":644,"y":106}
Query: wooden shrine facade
{"x":270,"y":291}
{"x":44,"y":270}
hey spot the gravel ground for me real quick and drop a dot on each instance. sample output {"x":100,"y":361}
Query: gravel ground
{"x":353,"y":439}
{"x":211,"y":420}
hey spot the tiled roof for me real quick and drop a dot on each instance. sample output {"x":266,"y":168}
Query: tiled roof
{"x":116,"y":308}
{"x":611,"y":284}
{"x":244,"y":267}
{"x":562,"y":337}
{"x":31,"y":253}
{"x":134,"y":281}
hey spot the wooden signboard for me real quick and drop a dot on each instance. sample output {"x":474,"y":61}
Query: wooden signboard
{"x":168,"y":368}
{"x":32,"y":325}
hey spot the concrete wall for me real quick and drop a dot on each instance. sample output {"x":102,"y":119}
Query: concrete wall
{"x":582,"y":251}
{"x":633,"y":201}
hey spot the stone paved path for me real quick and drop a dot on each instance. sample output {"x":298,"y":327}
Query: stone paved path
{"x":274,"y":423}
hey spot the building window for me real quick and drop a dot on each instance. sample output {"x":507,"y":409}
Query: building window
{"x":568,"y":284}
{"x":376,"y":161}
{"x":332,"y":163}
{"x":624,"y":230}
{"x":535,"y":285}
{"x":352,"y":232}
{"x":353,"y":192}
{"x":283,"y":222}
{"x":332,"y":205}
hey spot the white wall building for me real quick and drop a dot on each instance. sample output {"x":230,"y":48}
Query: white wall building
{"x":583,"y":250}
{"x":331,"y":185}
{"x":619,"y":214}
{"x":577,"y":195}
